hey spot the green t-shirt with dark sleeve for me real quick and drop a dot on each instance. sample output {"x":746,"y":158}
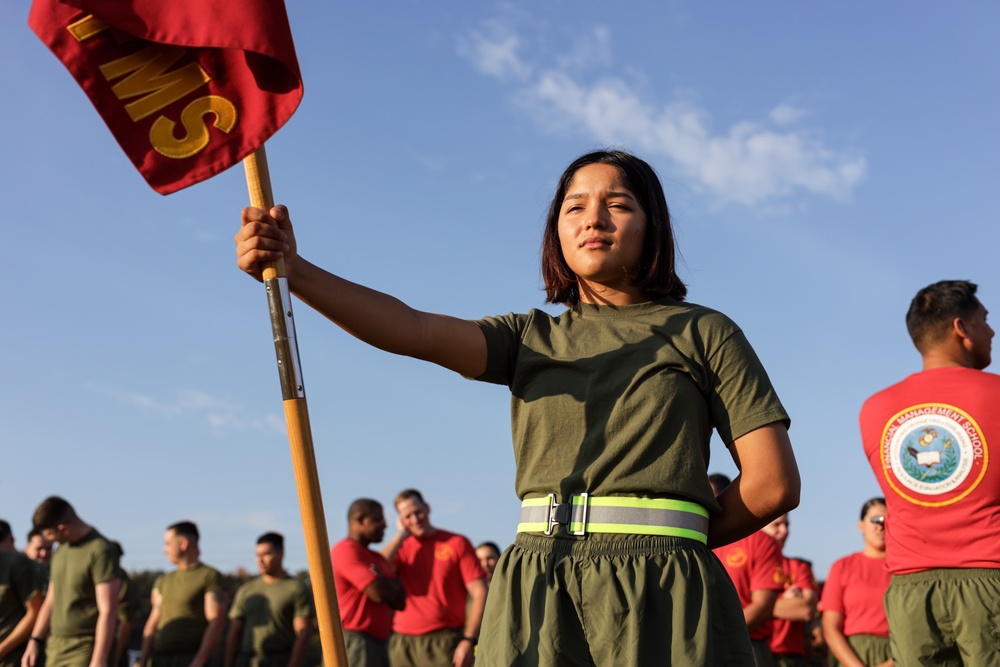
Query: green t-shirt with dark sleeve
{"x":182,"y":611}
{"x":622,"y":400}
{"x":20,"y":580}
{"x":268,"y":611}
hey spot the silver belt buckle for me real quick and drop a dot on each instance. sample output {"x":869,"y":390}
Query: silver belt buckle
{"x":586,"y":513}
{"x":553,"y":510}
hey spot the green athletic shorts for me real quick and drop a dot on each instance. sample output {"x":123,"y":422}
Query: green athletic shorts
{"x":69,"y":651}
{"x":612,"y":600}
{"x":363,"y":650}
{"x":435,"y":649}
{"x":870,"y":649}
{"x":945,"y":617}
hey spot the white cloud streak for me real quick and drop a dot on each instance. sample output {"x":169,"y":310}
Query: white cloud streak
{"x":196,"y":404}
{"x":753,"y":162}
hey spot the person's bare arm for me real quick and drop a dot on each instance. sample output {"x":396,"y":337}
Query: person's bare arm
{"x":373,"y":317}
{"x":149,"y":630}
{"x":796,"y":604}
{"x":833,"y":635}
{"x":32,"y":651}
{"x":768,"y":485}
{"x":465,"y":652}
{"x":106,"y":594}
{"x":759,"y":610}
{"x":392,"y":546}
{"x":303,"y":630}
{"x":215,"y":614}
{"x":122,"y":633}
{"x":23,"y":629}
{"x":388,"y":591}
{"x":233,"y":640}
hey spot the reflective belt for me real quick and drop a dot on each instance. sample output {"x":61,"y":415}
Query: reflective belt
{"x":615,"y":514}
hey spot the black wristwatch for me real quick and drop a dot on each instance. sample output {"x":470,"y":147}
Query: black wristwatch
{"x":474,"y":640}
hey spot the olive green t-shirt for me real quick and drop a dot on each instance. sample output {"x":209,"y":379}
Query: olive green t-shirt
{"x":622,"y":400}
{"x":77,"y":568}
{"x":268,"y":611}
{"x":182,"y":610}
{"x":128,"y":598}
{"x":20,"y":580}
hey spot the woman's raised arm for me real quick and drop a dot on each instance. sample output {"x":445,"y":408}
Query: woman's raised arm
{"x":373,"y":317}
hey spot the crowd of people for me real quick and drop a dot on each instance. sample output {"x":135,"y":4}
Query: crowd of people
{"x":627,"y":551}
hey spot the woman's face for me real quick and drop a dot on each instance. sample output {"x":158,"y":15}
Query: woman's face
{"x":874,"y":531}
{"x":602,"y":229}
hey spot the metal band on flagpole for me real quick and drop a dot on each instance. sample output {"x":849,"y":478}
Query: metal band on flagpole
{"x":299,"y":432}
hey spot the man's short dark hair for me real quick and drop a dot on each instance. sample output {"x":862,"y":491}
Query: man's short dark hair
{"x":935,"y":307}
{"x":409,"y":494}
{"x":185,"y":529}
{"x":361,"y":508}
{"x":4,"y":530}
{"x":33,"y":532}
{"x":276,"y":540}
{"x":52,"y":512}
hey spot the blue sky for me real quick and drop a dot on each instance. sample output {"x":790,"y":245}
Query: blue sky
{"x":822,"y":163}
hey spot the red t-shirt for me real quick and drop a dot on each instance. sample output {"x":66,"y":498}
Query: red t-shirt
{"x":435,"y":571}
{"x":856,"y":588}
{"x":790,"y":636}
{"x":355,"y":567}
{"x":927,"y":439}
{"x":754,"y":564}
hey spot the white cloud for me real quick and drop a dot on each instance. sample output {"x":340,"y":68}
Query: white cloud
{"x":495,"y":53}
{"x":786,"y":114}
{"x":194,"y":403}
{"x":592,"y":50}
{"x":753,"y":162}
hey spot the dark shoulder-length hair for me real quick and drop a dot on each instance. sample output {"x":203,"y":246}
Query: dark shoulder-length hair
{"x":657,"y":275}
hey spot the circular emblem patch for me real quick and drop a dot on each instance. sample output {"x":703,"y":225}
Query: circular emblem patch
{"x":933,"y":454}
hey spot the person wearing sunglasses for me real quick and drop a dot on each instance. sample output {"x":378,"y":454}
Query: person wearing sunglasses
{"x":854,"y":622}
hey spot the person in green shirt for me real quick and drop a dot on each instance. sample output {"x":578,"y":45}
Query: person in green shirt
{"x":21,"y":589}
{"x":271,"y":618}
{"x":188,"y":612}
{"x":613,"y":404}
{"x":80,"y":610}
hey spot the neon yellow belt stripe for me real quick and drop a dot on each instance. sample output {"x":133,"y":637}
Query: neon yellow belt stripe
{"x":616,"y":514}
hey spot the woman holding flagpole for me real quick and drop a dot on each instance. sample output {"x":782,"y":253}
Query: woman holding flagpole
{"x":613,"y":405}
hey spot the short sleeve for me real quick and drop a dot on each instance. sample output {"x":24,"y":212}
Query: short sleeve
{"x":213,"y":581}
{"x":27,"y":578}
{"x":832,"y":598}
{"x":741,"y":398}
{"x":104,"y":565}
{"x":303,"y":602}
{"x":503,"y":342}
{"x":768,"y":573}
{"x":237,"y":611}
{"x":356,"y":571}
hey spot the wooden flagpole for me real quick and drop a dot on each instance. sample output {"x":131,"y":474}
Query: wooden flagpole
{"x":299,"y":433}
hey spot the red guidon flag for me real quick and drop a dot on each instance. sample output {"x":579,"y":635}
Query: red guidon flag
{"x":188,"y":87}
